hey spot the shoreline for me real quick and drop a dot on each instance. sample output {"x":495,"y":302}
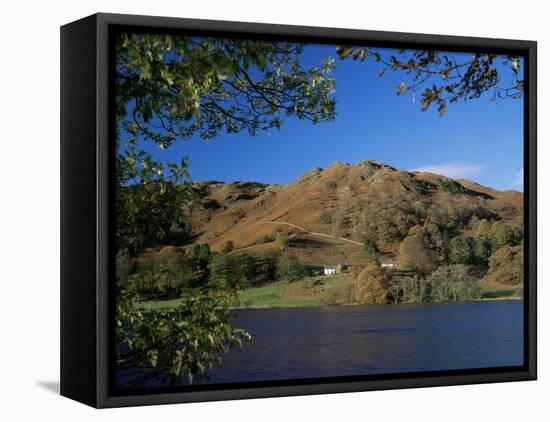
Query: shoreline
{"x":498,"y":299}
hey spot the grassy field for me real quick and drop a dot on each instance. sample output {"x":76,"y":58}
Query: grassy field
{"x":314,"y":291}
{"x":268,"y":295}
{"x":496,"y":293}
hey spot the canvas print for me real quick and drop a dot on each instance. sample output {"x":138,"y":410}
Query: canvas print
{"x":289,"y":210}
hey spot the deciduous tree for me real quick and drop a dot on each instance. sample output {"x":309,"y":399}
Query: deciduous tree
{"x":506,"y":266}
{"x":289,"y":267}
{"x":414,"y":256}
{"x":454,"y":282}
{"x":372,"y":285}
{"x":169,"y":344}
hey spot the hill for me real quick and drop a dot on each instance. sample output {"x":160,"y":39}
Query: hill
{"x":328,"y":213}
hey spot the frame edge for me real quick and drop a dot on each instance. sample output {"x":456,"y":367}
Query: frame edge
{"x":106,"y":20}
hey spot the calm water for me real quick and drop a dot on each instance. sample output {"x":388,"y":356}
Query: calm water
{"x":363,"y":340}
{"x":352,"y":340}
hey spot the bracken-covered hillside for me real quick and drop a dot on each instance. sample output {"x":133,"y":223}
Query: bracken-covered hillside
{"x":328,"y":213}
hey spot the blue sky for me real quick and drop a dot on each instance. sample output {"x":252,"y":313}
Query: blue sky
{"x":478,"y":140}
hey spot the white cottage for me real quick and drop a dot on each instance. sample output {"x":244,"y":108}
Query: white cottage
{"x":329,"y":270}
{"x":387,"y":262}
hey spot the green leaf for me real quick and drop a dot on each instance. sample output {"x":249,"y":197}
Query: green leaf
{"x":343,"y":51}
{"x":402,"y":88}
{"x":153,"y":356}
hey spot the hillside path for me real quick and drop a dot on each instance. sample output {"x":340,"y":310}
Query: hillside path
{"x":328,"y":236}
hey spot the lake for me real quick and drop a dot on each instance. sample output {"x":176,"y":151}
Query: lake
{"x":353,"y":340}
{"x":294,"y":343}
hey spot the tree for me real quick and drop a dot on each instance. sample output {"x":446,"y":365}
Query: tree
{"x":174,"y":87}
{"x":247,"y":269}
{"x":266,"y":267}
{"x":463,"y":250}
{"x":370,"y":251}
{"x":230,"y":273}
{"x":454,"y":282}
{"x":179,"y":232}
{"x":184,"y":341}
{"x":484,"y":249}
{"x":501,"y":234}
{"x":414,"y":256}
{"x":474,"y":222}
{"x":199,"y":257}
{"x":483,"y":228}
{"x":372,"y":285}
{"x":174,"y":272}
{"x":444,"y":250}
{"x":518,"y":229}
{"x":447,"y":78}
{"x":227,"y":246}
{"x":224,"y":273}
{"x":423,"y":186}
{"x":289,"y":267}
{"x":506,"y":266}
{"x":148,"y":268}
{"x":124,"y":265}
{"x":395,"y":290}
{"x":432,"y":235}
{"x":147,"y":210}
{"x":428,"y":233}
{"x":201,"y":251}
{"x":188,"y":85}
{"x":451,"y":186}
{"x":170,"y":88}
{"x":408,"y":289}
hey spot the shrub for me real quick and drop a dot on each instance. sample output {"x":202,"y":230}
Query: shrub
{"x":325,"y":217}
{"x":227,"y":247}
{"x":423,"y":186}
{"x":451,"y":186}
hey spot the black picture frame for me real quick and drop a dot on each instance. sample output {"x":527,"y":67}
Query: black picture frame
{"x":87,"y":153}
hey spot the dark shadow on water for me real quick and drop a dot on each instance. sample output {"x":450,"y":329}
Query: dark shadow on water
{"x":51,"y":386}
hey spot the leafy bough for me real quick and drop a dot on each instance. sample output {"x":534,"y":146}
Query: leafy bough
{"x":166,"y":345}
{"x":446,"y":78}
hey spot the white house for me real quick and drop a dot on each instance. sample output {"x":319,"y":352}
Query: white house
{"x":387,"y":265}
{"x":329,"y":270}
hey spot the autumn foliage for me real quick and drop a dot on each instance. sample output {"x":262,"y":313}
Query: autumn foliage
{"x":372,"y":285}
